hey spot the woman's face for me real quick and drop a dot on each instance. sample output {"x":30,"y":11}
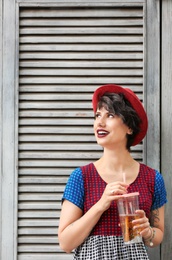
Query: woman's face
{"x":109,"y":129}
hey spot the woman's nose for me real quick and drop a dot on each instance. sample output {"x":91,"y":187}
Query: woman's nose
{"x":102,"y":122}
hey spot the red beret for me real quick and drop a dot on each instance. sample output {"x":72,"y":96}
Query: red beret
{"x":134,"y":101}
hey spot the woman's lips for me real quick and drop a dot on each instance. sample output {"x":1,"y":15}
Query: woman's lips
{"x":102,"y":133}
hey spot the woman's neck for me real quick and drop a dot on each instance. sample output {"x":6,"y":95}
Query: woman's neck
{"x":112,"y":165}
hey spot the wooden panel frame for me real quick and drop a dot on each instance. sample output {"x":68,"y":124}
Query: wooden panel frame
{"x":8,"y":133}
{"x":9,"y":105}
{"x":166,"y":122}
{"x":153,"y":93}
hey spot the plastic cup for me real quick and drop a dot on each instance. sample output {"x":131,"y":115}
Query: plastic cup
{"x":127,"y":205}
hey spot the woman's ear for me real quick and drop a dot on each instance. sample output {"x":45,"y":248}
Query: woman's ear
{"x":130,"y":131}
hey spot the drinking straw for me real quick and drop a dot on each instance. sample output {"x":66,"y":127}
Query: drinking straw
{"x":126,"y":204}
{"x":126,"y":232}
{"x":124,"y":177}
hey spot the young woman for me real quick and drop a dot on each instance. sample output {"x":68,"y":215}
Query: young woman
{"x":89,"y":221}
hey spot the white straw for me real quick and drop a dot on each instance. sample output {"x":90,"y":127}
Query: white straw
{"x":124,"y":177}
{"x":126,"y":203}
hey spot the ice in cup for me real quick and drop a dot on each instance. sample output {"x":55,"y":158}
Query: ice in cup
{"x":127,"y":205}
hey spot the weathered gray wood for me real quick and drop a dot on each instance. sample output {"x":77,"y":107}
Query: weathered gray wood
{"x":65,"y":13}
{"x":81,"y":2}
{"x":8,"y":137}
{"x":166,"y":117}
{"x":38,"y":187}
{"x":80,"y":31}
{"x":79,"y":81}
{"x":1,"y":122}
{"x":68,"y":89}
{"x":80,"y":56}
{"x":83,"y":64}
{"x":52,"y":113}
{"x":56,"y":130}
{"x":81,"y":72}
{"x":81,"y":47}
{"x":39,"y":197}
{"x":83,"y":39}
{"x":152,"y":92}
{"x":83,"y":22}
{"x":36,"y":256}
{"x":8,"y":170}
{"x":59,"y":147}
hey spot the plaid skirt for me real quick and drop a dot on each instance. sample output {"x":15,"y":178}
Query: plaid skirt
{"x":110,"y":248}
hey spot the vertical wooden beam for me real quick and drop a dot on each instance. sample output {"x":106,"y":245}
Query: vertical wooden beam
{"x":166,"y":121}
{"x":0,"y":126}
{"x":8,"y":178}
{"x":153,"y":92}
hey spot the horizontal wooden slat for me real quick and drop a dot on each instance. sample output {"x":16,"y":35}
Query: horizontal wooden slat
{"x":40,"y":206}
{"x":81,"y":56}
{"x":56,"y":113}
{"x":60,"y":147}
{"x":52,"y":138}
{"x":65,"y":155}
{"x":38,"y":230}
{"x":38,"y":239}
{"x":58,"y":97}
{"x":82,"y":80}
{"x":30,"y":214}
{"x":41,"y":188}
{"x":68,"y":89}
{"x":78,"y":13}
{"x":34,"y":104}
{"x":42,"y":180}
{"x":127,"y":47}
{"x":57,"y":130}
{"x":54,"y":163}
{"x":51,"y":256}
{"x":60,"y":171}
{"x":83,"y":4}
{"x":81,"y":72}
{"x":37,"y":206}
{"x":54,"y":121}
{"x":80,"y":30}
{"x":56,"y":22}
{"x":60,"y":155}
{"x":39,"y":197}
{"x":83,"y":64}
{"x":83,"y":39}
{"x":39,"y":248}
{"x":54,"y":96}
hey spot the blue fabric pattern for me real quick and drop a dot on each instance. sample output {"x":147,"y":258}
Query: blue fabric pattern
{"x":160,"y":195}
{"x":74,"y":190}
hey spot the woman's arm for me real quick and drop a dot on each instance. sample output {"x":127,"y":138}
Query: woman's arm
{"x":153,"y":231}
{"x":74,"y":227}
{"x":157,"y":224}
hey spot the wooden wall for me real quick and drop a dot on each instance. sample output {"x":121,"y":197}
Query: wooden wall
{"x":158,"y":77}
{"x":166,"y":121}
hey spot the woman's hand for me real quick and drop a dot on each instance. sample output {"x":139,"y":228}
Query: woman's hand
{"x":142,"y":224}
{"x":152,"y":235}
{"x":113,"y":191}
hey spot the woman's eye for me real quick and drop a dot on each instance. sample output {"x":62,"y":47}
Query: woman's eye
{"x":97,"y":115}
{"x":111,"y":115}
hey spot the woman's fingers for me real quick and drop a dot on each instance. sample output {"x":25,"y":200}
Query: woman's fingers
{"x":142,"y":223}
{"x":117,"y":188}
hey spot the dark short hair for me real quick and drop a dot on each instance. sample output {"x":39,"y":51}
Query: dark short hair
{"x":120,"y":106}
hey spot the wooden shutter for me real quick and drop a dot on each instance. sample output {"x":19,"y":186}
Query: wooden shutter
{"x":66,"y":53}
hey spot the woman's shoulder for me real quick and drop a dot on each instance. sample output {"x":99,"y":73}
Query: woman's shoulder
{"x":149,"y":169}
{"x":146,"y":168}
